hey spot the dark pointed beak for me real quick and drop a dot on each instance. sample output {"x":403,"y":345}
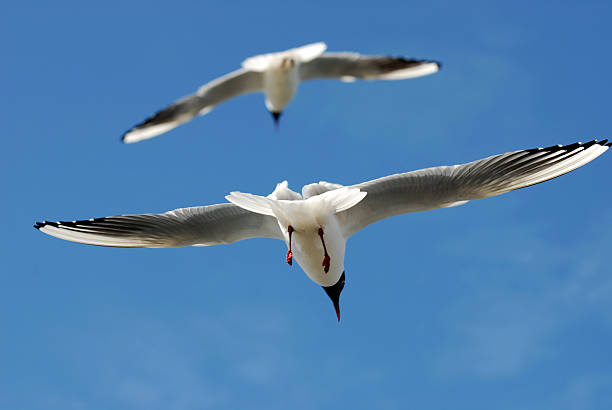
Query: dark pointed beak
{"x":334,"y":294}
{"x":275,"y":116}
{"x":337,"y":307}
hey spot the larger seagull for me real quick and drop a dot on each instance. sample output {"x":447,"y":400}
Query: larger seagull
{"x":278,"y":75}
{"x":316,"y":224}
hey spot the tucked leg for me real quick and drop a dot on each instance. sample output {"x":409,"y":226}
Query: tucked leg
{"x":326,"y":258}
{"x":289,"y":253}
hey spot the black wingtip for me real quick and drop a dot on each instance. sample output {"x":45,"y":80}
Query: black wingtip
{"x":602,"y":143}
{"x":70,"y":224}
{"x":419,"y":61}
{"x":573,"y":146}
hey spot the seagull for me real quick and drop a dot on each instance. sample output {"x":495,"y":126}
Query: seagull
{"x":316,"y":223}
{"x":278,"y":75}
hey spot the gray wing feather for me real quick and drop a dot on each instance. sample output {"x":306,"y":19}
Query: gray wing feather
{"x":199,"y":226}
{"x":448,"y":186}
{"x":208,"y":96}
{"x":353,"y":65}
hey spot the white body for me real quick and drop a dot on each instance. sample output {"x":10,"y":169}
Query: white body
{"x":308,"y":249}
{"x":280,"y":84}
{"x":306,"y":217}
{"x":281,"y":73}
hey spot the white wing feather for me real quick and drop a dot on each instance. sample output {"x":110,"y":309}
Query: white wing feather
{"x":197,"y":226}
{"x":348,"y":67}
{"x":205,"y":99}
{"x":448,"y":186}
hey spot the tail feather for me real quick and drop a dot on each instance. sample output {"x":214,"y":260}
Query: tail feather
{"x":250,"y":202}
{"x":303,"y":54}
{"x":343,"y":198}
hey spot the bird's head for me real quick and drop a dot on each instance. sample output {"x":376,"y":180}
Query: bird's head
{"x":334,"y":294}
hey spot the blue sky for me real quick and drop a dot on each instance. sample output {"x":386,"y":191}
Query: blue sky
{"x":503,"y":303}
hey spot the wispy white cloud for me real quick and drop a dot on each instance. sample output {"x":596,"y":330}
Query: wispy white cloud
{"x":507,"y":327}
{"x":587,"y":392}
{"x":151,"y":363}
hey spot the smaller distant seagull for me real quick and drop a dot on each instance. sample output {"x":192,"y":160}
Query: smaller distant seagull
{"x":278,"y":75}
{"x":316,"y":224}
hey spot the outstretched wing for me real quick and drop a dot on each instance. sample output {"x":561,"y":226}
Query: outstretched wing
{"x":197,"y":226}
{"x":205,"y":99}
{"x":447,"y":186}
{"x":352,"y":66}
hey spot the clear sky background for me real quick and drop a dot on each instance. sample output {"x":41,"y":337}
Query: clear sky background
{"x":504,"y":303}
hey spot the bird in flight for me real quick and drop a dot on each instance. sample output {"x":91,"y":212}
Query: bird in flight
{"x":278,"y":75}
{"x":316,"y":223}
